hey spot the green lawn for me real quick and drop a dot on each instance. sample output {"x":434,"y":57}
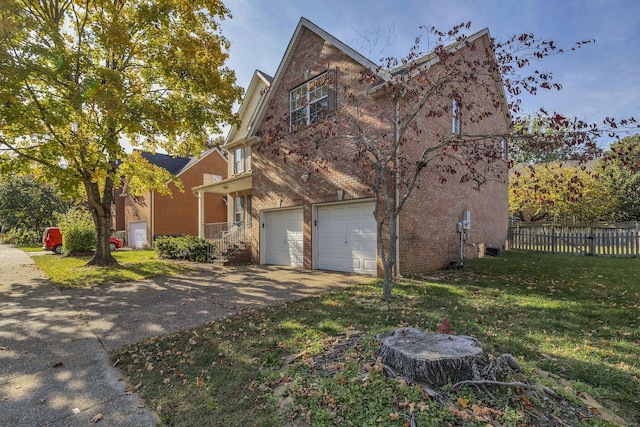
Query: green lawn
{"x":72,"y":271}
{"x":31,"y":247}
{"x":576,"y":318}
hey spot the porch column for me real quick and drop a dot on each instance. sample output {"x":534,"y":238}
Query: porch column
{"x":201,"y":214}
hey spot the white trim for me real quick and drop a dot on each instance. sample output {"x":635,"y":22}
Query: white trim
{"x":196,"y":159}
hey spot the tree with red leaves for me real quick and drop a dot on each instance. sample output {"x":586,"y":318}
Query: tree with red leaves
{"x":485,"y":81}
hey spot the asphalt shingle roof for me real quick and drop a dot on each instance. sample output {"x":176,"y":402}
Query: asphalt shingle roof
{"x":173,"y":165}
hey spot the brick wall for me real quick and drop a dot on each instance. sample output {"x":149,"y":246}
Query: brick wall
{"x":429,"y":237}
{"x":428,"y":223}
{"x":177,"y":213}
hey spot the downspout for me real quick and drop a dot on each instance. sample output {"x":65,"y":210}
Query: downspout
{"x":397,"y":142}
{"x":153,"y":216}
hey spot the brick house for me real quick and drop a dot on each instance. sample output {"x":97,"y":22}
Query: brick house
{"x":323,"y":218}
{"x":151,"y":214}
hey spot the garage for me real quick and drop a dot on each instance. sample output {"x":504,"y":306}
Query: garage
{"x":346,"y":238}
{"x":283,"y":237}
{"x":138,"y":234}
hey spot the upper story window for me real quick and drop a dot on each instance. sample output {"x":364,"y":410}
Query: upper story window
{"x":455,"y":117}
{"x":238,"y":160}
{"x":312,"y":101}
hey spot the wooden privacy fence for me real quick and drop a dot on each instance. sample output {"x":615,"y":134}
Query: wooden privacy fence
{"x":577,"y":239}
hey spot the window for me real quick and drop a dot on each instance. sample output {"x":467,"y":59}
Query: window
{"x":238,"y":158}
{"x":455,"y":117}
{"x":312,"y":101}
{"x":247,"y":158}
{"x":238,"y":210}
{"x":505,"y":150}
{"x":248,"y":211}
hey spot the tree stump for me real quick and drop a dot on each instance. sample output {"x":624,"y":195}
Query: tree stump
{"x":433,"y":359}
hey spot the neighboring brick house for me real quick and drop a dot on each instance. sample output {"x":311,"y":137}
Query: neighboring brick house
{"x":323,"y":219}
{"x":149,"y":215}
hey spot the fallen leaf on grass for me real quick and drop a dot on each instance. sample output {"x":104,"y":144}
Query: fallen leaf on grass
{"x":598,"y":410}
{"x":423,"y":407}
{"x":131,"y":389}
{"x":463,"y":402}
{"x":594,"y":411}
{"x":525,"y":401}
{"x":96,"y":418}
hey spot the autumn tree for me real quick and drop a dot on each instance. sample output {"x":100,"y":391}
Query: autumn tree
{"x":539,"y":150}
{"x":25,"y":203}
{"x":559,"y":192}
{"x":81,"y":78}
{"x":620,"y":172}
{"x":484,"y":81}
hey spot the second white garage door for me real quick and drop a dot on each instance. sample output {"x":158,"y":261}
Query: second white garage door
{"x":283,"y":237}
{"x":346,"y":238}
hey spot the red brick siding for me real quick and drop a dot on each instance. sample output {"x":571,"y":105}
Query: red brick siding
{"x":428,"y":222}
{"x":177,"y":213}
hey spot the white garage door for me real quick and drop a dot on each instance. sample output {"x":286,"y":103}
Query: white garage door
{"x":138,"y":234}
{"x":283,"y":237}
{"x":347,"y":238}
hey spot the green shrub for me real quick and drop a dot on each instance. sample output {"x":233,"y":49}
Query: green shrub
{"x":78,"y":231}
{"x":21,"y":236}
{"x":121,"y":235}
{"x":188,"y":247}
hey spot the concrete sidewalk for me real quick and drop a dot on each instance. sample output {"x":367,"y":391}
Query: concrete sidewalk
{"x":53,"y":369}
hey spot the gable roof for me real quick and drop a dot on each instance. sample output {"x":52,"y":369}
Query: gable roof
{"x":422,"y":62}
{"x":177,"y":165}
{"x":247,"y":112}
{"x":303,"y":24}
{"x":173,"y":165}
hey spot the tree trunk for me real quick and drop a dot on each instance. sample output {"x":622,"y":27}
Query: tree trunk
{"x":102,"y":255}
{"x":389,"y":260}
{"x":100,"y":208}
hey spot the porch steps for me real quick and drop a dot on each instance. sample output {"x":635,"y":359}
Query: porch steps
{"x":234,"y":254}
{"x":240,"y":255}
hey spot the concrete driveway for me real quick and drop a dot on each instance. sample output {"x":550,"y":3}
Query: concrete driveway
{"x":54,"y":365}
{"x":125,"y":313}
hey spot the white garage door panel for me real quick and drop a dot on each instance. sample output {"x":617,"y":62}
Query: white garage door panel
{"x":283,"y":238}
{"x":347,"y":238}
{"x":138,"y":234}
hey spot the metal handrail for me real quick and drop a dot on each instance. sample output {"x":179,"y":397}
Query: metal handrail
{"x":226,"y":236}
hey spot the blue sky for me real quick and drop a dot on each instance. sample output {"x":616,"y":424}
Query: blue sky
{"x":601,"y":79}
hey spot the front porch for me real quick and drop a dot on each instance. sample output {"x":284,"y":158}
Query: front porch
{"x":230,"y":242}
